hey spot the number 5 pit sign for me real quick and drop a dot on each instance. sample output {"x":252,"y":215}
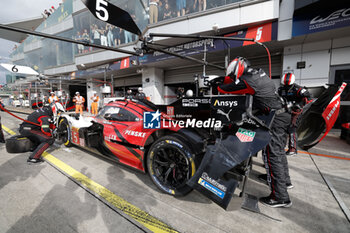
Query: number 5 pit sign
{"x":261,"y":33}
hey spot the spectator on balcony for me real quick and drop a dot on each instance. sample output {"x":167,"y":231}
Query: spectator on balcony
{"x":122,"y":36}
{"x":91,"y":33}
{"x":160,"y":10}
{"x":128,"y":36}
{"x":103,"y":34}
{"x":167,"y":13}
{"x":79,"y":38}
{"x":96,"y":35}
{"x":181,"y":6}
{"x":153,"y":11}
{"x":110,"y":38}
{"x":202,"y":5}
{"x":86,"y":38}
{"x":116,"y":36}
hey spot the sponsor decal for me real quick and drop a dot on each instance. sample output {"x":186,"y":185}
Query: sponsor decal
{"x":110,"y":137}
{"x":170,"y":111}
{"x":206,"y":177}
{"x":175,"y":143}
{"x":82,"y":142}
{"x":194,"y":102}
{"x":226,"y":103}
{"x":331,"y":112}
{"x":135,"y":133}
{"x":151,"y":120}
{"x":327,"y":17}
{"x":226,"y":114}
{"x":245,"y":135}
{"x":163,"y":187}
{"x":342,"y":13}
{"x":211,"y":188}
{"x":250,"y":121}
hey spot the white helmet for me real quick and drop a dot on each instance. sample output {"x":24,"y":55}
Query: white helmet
{"x":189,"y":93}
{"x":140,"y":89}
{"x":288,"y":79}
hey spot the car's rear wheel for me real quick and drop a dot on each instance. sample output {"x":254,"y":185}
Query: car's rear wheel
{"x":170,"y":164}
{"x":64,"y":132}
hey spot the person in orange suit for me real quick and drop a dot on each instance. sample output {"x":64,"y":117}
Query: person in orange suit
{"x":53,"y":98}
{"x":94,"y":104}
{"x":79,"y":103}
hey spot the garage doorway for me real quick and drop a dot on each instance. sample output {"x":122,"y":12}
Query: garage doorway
{"x":338,"y":75}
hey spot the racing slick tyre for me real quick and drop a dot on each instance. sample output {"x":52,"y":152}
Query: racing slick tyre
{"x":18,"y":144}
{"x":171,"y":164}
{"x":64,"y":132}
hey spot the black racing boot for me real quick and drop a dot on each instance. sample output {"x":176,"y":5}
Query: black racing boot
{"x":269,"y":201}
{"x":29,"y":160}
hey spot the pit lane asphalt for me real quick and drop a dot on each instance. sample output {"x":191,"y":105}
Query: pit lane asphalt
{"x":39,"y":198}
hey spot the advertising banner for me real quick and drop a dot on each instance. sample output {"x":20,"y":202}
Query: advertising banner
{"x":321,"y":16}
{"x":262,"y":33}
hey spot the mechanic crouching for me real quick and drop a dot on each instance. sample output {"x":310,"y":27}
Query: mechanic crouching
{"x":39,"y":134}
{"x":297,"y":97}
{"x":242,"y":79}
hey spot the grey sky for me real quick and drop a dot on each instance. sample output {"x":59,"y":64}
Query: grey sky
{"x":16,"y":10}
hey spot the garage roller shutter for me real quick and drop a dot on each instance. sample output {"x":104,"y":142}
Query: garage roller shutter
{"x":276,"y":68}
{"x":128,"y":81}
{"x":185,"y":75}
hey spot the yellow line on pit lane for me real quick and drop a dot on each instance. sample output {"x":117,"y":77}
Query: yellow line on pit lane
{"x":8,"y":130}
{"x":139,"y":215}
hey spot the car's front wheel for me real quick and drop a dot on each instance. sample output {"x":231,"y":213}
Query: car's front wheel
{"x":64,"y":132}
{"x":170,"y":164}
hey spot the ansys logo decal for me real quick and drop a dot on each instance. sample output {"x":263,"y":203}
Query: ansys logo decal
{"x":151,"y":120}
{"x":245,"y":135}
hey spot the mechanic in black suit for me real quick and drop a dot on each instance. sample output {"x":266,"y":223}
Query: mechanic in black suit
{"x":242,"y":79}
{"x":297,"y":96}
{"x":40,"y":135}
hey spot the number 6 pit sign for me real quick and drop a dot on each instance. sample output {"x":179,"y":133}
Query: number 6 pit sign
{"x":19,"y":69}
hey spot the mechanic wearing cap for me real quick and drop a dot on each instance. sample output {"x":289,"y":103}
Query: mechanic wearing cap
{"x":241,"y":79}
{"x":79,"y":102}
{"x":53,"y":98}
{"x":40,"y":135}
{"x":140,"y":95}
{"x":297,"y":96}
{"x":94,"y":104}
